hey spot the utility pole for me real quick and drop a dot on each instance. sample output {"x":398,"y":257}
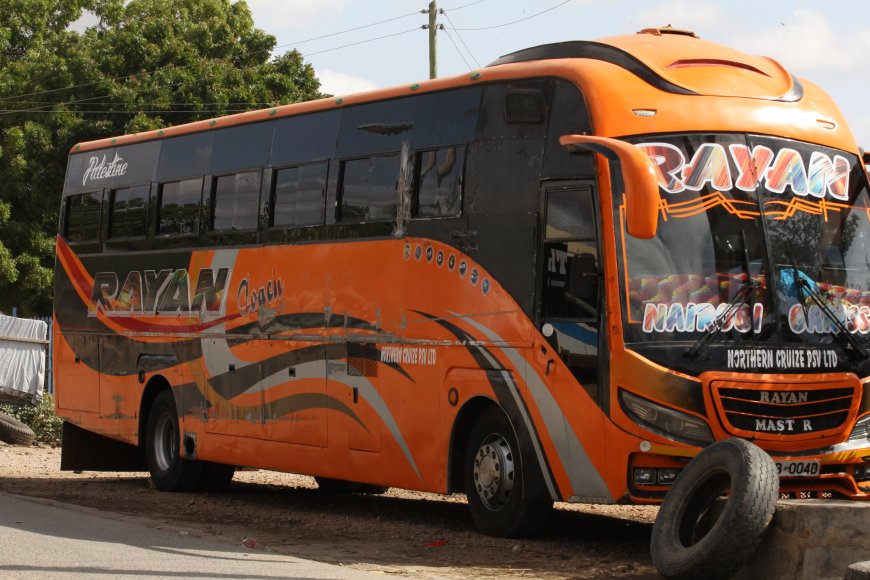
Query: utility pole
{"x":433,"y":58}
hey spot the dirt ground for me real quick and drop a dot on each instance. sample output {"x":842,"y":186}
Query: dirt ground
{"x":401,"y":533}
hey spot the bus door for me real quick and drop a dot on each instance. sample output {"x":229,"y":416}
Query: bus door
{"x":569,"y":310}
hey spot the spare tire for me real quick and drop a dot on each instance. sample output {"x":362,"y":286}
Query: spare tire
{"x":15,"y":432}
{"x":699,"y":535}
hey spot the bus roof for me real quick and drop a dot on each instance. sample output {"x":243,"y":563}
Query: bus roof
{"x":665,"y":59}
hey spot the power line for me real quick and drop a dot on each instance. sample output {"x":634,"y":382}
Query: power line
{"x":362,"y":42}
{"x":464,"y":6}
{"x":515,"y":21}
{"x":121,"y":104}
{"x":460,"y":37}
{"x":450,"y":36}
{"x":184,"y":82}
{"x":151,"y":72}
{"x":134,"y":112}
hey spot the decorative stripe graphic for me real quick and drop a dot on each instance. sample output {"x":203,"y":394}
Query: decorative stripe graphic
{"x":585,"y":479}
{"x":506,"y":390}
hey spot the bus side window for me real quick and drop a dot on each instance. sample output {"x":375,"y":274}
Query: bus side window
{"x":438,"y":191}
{"x":368,"y":189}
{"x":235,"y":201}
{"x":571,"y":255}
{"x":298,"y":195}
{"x":179,"y":204}
{"x":82,"y":217}
{"x":128,"y":213}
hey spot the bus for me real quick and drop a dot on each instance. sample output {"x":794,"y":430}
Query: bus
{"x":554,"y":279}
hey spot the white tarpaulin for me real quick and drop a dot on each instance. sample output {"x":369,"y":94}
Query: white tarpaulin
{"x":22,"y":359}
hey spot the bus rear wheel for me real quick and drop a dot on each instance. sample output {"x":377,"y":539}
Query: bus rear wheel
{"x":495,"y":480}
{"x":169,"y":471}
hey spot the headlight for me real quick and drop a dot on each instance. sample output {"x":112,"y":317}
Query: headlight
{"x":861,"y":430}
{"x":665,"y":421}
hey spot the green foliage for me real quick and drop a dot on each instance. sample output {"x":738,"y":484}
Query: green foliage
{"x":146,"y":64}
{"x":41,"y":418}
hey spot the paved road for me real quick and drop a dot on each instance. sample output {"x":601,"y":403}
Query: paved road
{"x":40,"y":538}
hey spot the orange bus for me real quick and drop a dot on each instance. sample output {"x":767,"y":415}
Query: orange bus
{"x":557,"y":278}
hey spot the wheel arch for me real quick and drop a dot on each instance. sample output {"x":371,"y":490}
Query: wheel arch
{"x":465,"y":420}
{"x":156,"y":385}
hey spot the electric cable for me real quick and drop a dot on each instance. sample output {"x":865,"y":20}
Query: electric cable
{"x":463,"y":6}
{"x":515,"y":21}
{"x":184,"y":82}
{"x":154,"y":71}
{"x":460,"y":38}
{"x":450,"y":36}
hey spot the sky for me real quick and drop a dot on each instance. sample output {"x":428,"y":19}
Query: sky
{"x":825,"y":42}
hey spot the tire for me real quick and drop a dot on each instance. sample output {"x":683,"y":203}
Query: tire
{"x":495,"y":480}
{"x":215,"y":476}
{"x":15,"y":432}
{"x":699,"y":535}
{"x":169,"y":471}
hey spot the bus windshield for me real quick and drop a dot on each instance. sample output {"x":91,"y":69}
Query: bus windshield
{"x":760,"y":240}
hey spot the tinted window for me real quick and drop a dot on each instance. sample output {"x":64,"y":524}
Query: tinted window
{"x":447,"y":117}
{"x":305,"y":138}
{"x":179,"y":207}
{"x":570,"y":254}
{"x":570,"y":214}
{"x":241,"y":147}
{"x":439,"y":182}
{"x":369,"y":188}
{"x":83,"y":216}
{"x":129,"y":212}
{"x":236,"y":199}
{"x":298,"y":195}
{"x":185,"y":156}
{"x":376,"y":127}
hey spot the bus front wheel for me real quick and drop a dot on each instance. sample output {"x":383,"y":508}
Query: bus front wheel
{"x":495,"y":480}
{"x":169,"y":471}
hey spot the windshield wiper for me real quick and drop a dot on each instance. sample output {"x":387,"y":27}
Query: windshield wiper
{"x":740,"y":298}
{"x":802,"y":285}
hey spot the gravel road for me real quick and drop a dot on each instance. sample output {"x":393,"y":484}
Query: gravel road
{"x":401,"y":533}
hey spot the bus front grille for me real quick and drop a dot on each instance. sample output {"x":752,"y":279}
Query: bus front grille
{"x":775,"y":410}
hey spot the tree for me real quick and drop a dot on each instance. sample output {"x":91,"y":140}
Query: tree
{"x":146,"y":64}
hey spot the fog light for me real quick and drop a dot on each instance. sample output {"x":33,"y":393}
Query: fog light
{"x":861,"y":430}
{"x":644,"y":476}
{"x":862,"y":472}
{"x":667,"y":476}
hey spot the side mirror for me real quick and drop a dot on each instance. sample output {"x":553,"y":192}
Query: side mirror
{"x":642,"y":197}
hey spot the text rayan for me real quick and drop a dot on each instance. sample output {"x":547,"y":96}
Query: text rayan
{"x":164,"y":292}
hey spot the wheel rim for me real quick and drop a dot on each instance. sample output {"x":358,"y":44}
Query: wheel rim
{"x":494,"y":472}
{"x":165,"y":442}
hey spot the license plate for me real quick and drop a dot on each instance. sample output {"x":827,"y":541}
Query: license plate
{"x":798,"y":468}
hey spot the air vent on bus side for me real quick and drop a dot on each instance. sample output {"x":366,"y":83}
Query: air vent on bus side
{"x":524,"y":106}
